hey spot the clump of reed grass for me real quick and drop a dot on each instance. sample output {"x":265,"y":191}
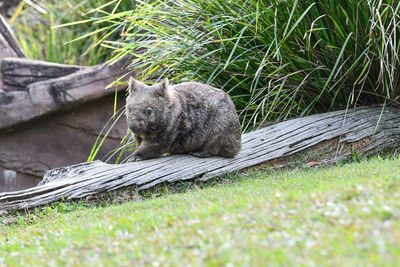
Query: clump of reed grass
{"x":276,"y":59}
{"x":35,"y":24}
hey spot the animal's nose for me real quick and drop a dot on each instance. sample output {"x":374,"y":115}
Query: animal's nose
{"x":135,"y":126}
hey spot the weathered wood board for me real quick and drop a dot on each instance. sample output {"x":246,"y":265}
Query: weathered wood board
{"x":373,"y":129}
{"x":43,"y":97}
{"x":18,"y":73}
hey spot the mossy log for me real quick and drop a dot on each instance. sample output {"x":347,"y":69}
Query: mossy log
{"x":365,"y":130}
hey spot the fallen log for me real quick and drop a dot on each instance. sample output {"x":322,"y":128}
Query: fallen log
{"x":364,"y":130}
{"x":18,"y":73}
{"x":43,"y":97}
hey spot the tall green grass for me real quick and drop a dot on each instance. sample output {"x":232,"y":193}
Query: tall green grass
{"x":276,"y":59}
{"x":35,"y":24}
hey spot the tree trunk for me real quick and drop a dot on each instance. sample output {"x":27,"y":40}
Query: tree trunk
{"x":364,"y":130}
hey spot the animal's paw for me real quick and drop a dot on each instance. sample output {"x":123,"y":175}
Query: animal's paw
{"x":137,"y":157}
{"x":200,"y":154}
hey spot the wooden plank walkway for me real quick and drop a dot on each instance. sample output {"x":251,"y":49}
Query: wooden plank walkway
{"x":379,"y":130}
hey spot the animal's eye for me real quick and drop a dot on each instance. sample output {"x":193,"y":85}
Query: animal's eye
{"x":148,"y":111}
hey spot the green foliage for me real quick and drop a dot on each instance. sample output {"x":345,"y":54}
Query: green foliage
{"x":342,"y":216}
{"x":35,"y":25}
{"x":277,"y":59}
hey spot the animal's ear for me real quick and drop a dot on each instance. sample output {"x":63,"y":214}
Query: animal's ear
{"x":162,"y":87}
{"x":134,"y":85}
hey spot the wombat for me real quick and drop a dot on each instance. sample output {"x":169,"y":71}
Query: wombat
{"x":188,"y":117}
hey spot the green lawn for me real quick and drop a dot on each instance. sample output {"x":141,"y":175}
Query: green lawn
{"x":337,"y":216}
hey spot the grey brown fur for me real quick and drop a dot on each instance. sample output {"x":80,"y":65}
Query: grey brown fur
{"x":185,"y":118}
